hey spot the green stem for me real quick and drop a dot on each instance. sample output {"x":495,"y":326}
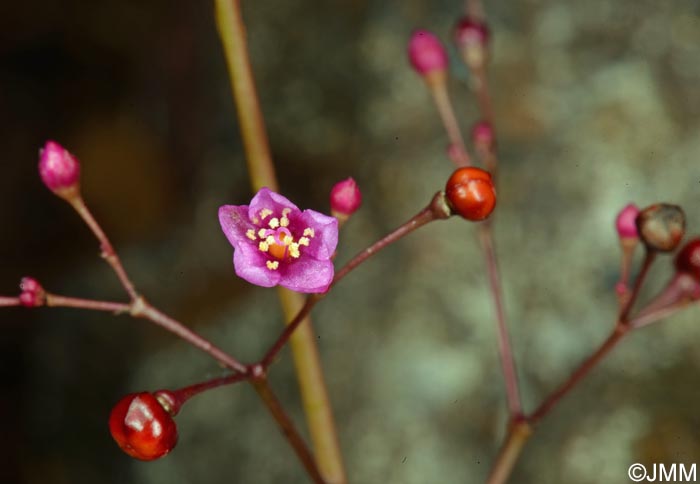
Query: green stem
{"x":233,"y":37}
{"x":312,"y":386}
{"x":518,"y":434}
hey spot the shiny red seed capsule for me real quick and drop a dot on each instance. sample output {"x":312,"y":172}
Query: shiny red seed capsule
{"x":688,"y":259}
{"x":142,"y":427}
{"x":471,"y":193}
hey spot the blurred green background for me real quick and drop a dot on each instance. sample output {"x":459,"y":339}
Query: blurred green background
{"x":597,"y":105}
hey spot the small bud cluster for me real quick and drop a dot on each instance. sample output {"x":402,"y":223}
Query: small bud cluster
{"x":32,"y":295}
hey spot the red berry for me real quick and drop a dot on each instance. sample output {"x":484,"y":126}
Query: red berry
{"x":471,"y":193}
{"x":688,"y":259}
{"x":141,"y":426}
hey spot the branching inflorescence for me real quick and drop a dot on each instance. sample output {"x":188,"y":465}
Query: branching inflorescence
{"x":277,"y":244}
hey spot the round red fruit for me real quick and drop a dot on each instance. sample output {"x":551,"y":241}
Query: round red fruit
{"x":142,"y":427}
{"x":688,"y":259}
{"x":471,"y":193}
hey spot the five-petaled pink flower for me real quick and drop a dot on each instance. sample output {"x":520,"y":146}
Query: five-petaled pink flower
{"x":276,"y":243}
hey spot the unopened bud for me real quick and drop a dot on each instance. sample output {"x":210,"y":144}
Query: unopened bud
{"x":625,"y":223}
{"x":661,"y":226}
{"x":32,"y":295}
{"x":483,"y":135}
{"x":427,"y":54}
{"x":59,"y":170}
{"x":346,"y":198}
{"x":472,"y":39}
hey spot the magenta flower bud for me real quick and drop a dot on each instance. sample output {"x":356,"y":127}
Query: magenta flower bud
{"x":59,"y":170}
{"x":426,"y":53}
{"x":471,"y":32}
{"x":625,"y":223}
{"x":483,"y":135}
{"x":32,"y":295}
{"x":472,"y":39}
{"x":346,"y":198}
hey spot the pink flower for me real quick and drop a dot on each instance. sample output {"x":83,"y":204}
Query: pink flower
{"x":276,"y":243}
{"x":346,"y":197}
{"x":426,"y":53}
{"x":59,"y":170}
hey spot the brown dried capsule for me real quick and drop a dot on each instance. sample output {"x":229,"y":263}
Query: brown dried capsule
{"x":661,"y":226}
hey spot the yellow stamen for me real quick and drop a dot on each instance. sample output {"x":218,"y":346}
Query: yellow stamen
{"x":265,"y":212}
{"x":284,"y":221}
{"x":304,"y":241}
{"x":294,"y":250}
{"x":272,"y":264}
{"x":274,"y":223}
{"x":270,"y":239}
{"x":250,"y":233}
{"x":263,"y":246}
{"x":309,"y":232}
{"x":261,"y":233}
{"x":286,"y":211}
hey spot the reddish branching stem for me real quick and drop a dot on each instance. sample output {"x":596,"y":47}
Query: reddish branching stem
{"x":9,"y":301}
{"x":437,"y":209}
{"x":510,"y":375}
{"x":106,"y":247}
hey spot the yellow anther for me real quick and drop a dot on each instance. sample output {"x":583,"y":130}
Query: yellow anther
{"x":261,"y":233}
{"x":265,"y":212}
{"x":274,"y":223}
{"x":304,"y":241}
{"x":263,"y":246}
{"x":294,"y":250}
{"x":272,"y":264}
{"x":270,"y":239}
{"x":309,"y":232}
{"x":250,"y":233}
{"x":284,"y":222}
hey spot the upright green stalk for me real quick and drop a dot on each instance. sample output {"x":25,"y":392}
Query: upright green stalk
{"x":319,"y":415}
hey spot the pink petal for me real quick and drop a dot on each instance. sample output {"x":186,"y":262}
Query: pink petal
{"x":325,"y":239}
{"x":250,"y":265}
{"x":267,"y":199}
{"x":308,"y":275}
{"x":234,"y":223}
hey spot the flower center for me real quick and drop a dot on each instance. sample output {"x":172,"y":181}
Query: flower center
{"x":276,"y":239}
